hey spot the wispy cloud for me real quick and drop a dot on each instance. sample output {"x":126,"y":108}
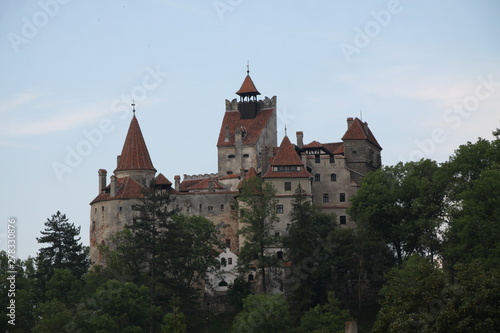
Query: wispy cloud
{"x":19,"y":100}
{"x":60,"y":121}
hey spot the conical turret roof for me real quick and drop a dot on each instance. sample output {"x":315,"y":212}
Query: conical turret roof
{"x":248,"y":88}
{"x":135,"y":155}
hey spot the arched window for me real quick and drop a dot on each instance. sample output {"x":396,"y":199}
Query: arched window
{"x":333,"y":177}
{"x":223,"y":284}
{"x":250,"y":277}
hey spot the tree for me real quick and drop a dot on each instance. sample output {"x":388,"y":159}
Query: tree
{"x":420,"y":297}
{"x":119,"y":307}
{"x":403,"y":205}
{"x":324,"y":318}
{"x":263,"y":313}
{"x":410,"y":296}
{"x":257,"y":212}
{"x":65,"y":249}
{"x":308,"y":248}
{"x":474,"y":231}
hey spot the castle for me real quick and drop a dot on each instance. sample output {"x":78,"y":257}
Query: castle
{"x":247,"y":146}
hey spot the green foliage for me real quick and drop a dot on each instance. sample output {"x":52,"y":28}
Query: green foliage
{"x":474,"y":231}
{"x":175,"y":321}
{"x":263,"y":313}
{"x":237,"y":291}
{"x":309,"y":249}
{"x":119,"y":307}
{"x":324,"y":318}
{"x":257,"y":212}
{"x":56,"y":317}
{"x":403,"y":205}
{"x":419,"y":297}
{"x":64,"y":250}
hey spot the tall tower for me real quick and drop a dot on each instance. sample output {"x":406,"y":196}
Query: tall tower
{"x":248,"y":130}
{"x":112,"y":208}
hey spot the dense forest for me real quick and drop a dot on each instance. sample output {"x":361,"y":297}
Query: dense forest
{"x":425,"y":257}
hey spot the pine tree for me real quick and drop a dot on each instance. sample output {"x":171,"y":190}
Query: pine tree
{"x":257,"y":209}
{"x":65,"y":250}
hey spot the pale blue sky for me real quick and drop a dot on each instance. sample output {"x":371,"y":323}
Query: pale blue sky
{"x":426,"y":75}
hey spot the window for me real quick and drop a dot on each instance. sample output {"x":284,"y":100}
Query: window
{"x":221,"y":207}
{"x":103,"y":208}
{"x":279,"y":209}
{"x":333,"y":177}
{"x":228,"y":243}
{"x":277,"y":234}
{"x":288,"y":186}
{"x":120,"y":208}
{"x":210,"y":208}
{"x":342,"y":197}
{"x":343,"y":219}
{"x":250,"y":277}
{"x":223,"y":284}
{"x":223,"y":262}
{"x":229,"y":172}
{"x":332,"y":159}
{"x":245,"y":155}
{"x":354,"y":151}
{"x":317,"y":158}
{"x":286,"y":168}
{"x":201,"y":207}
{"x":279,"y":255}
{"x":95,"y":210}
{"x":326,"y":197}
{"x":229,"y":261}
{"x":231,"y":156}
{"x":317,"y":177}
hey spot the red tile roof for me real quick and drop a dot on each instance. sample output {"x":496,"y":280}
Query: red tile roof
{"x":253,"y":127}
{"x":360,"y":131}
{"x":287,"y":156}
{"x":207,"y":184}
{"x":231,"y":176}
{"x":334,"y":147}
{"x":126,"y":188}
{"x":247,"y":87}
{"x":162,"y":180}
{"x":135,"y":155}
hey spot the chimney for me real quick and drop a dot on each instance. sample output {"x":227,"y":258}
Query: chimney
{"x":300,"y":139}
{"x":102,"y":179}
{"x":118,"y":160}
{"x":112,"y":191}
{"x":349,"y":122}
{"x":177,"y":182}
{"x":351,"y":327}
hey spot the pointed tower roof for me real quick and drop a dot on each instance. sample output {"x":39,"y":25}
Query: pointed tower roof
{"x":135,"y":155}
{"x":359,"y":130}
{"x":248,"y":87}
{"x":287,"y":163}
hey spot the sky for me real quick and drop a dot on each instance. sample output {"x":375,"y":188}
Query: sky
{"x":425,"y":76}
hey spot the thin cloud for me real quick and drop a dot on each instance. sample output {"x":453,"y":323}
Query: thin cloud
{"x":61,"y":121}
{"x":19,"y":100}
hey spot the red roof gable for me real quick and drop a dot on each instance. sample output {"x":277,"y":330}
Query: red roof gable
{"x":360,"y":131}
{"x":287,"y":156}
{"x":252,"y":127}
{"x":135,"y":155}
{"x":247,"y":87}
{"x":162,"y":180}
{"x":126,"y":188}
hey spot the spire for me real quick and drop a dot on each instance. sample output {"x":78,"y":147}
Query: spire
{"x":248,"y":87}
{"x":135,"y":155}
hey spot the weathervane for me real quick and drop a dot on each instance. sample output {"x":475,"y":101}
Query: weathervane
{"x":285,"y":130}
{"x":133,"y":106}
{"x":248,"y":67}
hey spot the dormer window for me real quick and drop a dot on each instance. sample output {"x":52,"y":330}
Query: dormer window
{"x":287,"y":168}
